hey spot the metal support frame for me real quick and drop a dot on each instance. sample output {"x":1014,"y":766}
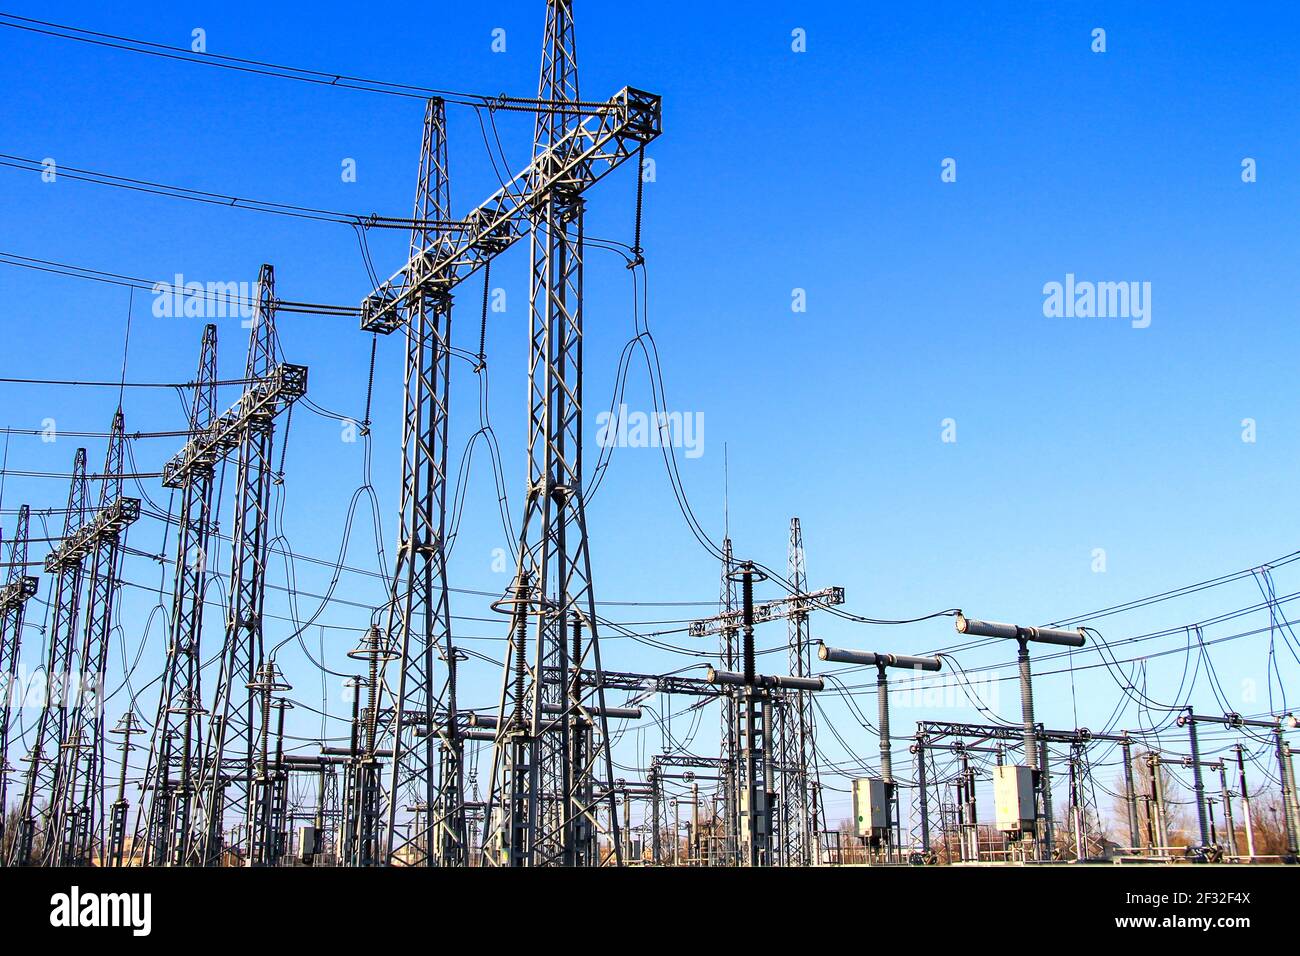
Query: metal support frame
{"x":1278,"y":726}
{"x":426,"y":772}
{"x":799,"y":803}
{"x":78,"y":800}
{"x":543,"y":805}
{"x":792,"y":752}
{"x":728,"y":651}
{"x":225,"y":785}
{"x":68,"y":566}
{"x":171,"y":774}
{"x":929,"y":732}
{"x":18,"y":589}
{"x":892,"y":837}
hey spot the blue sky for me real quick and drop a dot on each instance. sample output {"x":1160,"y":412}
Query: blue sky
{"x":777,"y":171}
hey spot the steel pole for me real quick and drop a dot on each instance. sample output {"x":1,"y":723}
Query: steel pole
{"x":1245,"y":802}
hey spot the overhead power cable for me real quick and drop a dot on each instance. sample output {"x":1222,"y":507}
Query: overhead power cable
{"x":367,"y":220}
{"x":221,"y":297}
{"x":280,"y":71}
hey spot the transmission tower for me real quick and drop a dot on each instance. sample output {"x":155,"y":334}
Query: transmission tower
{"x":800,"y":793}
{"x":544,"y":766}
{"x":78,"y":802}
{"x":18,"y":589}
{"x":171,"y":777}
{"x":573,"y":151}
{"x":728,"y":636}
{"x":271,"y":388}
{"x":52,"y":724}
{"x":423,"y":733}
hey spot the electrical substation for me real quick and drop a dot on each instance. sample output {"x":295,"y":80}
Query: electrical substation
{"x":205,"y":759}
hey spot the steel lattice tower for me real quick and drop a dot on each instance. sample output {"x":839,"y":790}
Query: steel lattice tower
{"x":78,"y":804}
{"x":728,"y":651}
{"x":551,"y":739}
{"x":52,"y":725}
{"x":175,"y":756}
{"x":228,"y":769}
{"x":19,"y":588}
{"x":800,"y":804}
{"x":423,"y":734}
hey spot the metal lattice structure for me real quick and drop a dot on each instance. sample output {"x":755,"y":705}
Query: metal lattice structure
{"x":426,"y":773}
{"x":799,"y":806}
{"x":77,"y":806}
{"x":219,"y":786}
{"x":728,"y":650}
{"x":544,"y":800}
{"x":19,"y":588}
{"x":68,"y":565}
{"x":227,"y":781}
{"x":574,"y":148}
{"x":171,"y":775}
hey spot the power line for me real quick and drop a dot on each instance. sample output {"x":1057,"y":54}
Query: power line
{"x":368,"y":220}
{"x":279,"y":71}
{"x":223,"y":298}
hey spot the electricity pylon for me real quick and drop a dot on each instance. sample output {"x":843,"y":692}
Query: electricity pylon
{"x":575,"y":146}
{"x":423,"y":731}
{"x":800,"y":794}
{"x":552,"y":738}
{"x":171,"y":777}
{"x":78,"y":802}
{"x":19,"y":588}
{"x":249,"y":429}
{"x":52,"y":724}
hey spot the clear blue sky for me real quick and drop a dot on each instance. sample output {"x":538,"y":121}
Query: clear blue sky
{"x":777,"y":170}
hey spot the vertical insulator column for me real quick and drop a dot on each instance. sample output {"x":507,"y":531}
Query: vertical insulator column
{"x":1286,"y":775}
{"x":886,"y":753}
{"x":1130,"y":794}
{"x":882,"y":701}
{"x":1160,"y":834}
{"x":1027,"y":706}
{"x":1198,"y":778}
